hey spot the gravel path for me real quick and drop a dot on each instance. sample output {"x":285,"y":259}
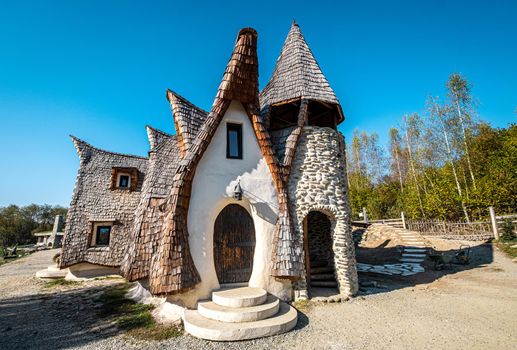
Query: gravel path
{"x":466,"y":308}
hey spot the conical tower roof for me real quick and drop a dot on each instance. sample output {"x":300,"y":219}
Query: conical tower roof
{"x":297,"y":75}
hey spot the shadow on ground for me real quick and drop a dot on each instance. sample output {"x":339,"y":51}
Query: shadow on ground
{"x":53,"y":321}
{"x":371,"y":283}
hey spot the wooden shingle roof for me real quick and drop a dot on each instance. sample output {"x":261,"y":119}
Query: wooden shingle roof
{"x":188,"y":119}
{"x":297,"y":75}
{"x":155,"y":136}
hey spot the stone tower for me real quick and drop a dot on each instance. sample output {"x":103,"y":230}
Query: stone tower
{"x":302,"y":113}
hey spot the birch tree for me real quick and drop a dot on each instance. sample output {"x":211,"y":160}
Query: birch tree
{"x":409,"y":123}
{"x":395,"y":150}
{"x":459,"y":92}
{"x":439,"y":113}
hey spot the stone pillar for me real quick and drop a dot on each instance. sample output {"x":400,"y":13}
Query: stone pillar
{"x":403,"y":220}
{"x":365,"y":217}
{"x":58,"y":226}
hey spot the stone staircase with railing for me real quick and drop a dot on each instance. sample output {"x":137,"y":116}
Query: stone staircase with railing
{"x":239,"y":314}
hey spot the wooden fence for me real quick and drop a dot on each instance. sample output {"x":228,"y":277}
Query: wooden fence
{"x":392,"y":222}
{"x":481,"y":230}
{"x":461,"y":230}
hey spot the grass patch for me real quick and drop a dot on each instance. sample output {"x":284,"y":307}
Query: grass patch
{"x":506,"y":247}
{"x":60,"y":282}
{"x":302,"y":305}
{"x":19,"y":254}
{"x":108,"y":278}
{"x":134,"y":318}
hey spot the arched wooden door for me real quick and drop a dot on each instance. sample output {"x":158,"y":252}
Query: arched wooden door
{"x":234,"y":244}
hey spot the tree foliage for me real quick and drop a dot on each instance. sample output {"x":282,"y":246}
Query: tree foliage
{"x":17,"y":224}
{"x":444,"y":165}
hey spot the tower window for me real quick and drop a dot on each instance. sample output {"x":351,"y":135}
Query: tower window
{"x":233,"y":141}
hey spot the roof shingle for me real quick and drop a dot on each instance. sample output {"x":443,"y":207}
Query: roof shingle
{"x":297,"y":75}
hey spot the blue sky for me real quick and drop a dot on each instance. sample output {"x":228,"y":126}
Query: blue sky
{"x":99,"y":69}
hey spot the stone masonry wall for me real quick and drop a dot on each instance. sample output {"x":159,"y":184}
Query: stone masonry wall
{"x":94,"y":201}
{"x":318,"y":183}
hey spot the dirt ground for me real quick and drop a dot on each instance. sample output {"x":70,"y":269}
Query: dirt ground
{"x":466,"y":307}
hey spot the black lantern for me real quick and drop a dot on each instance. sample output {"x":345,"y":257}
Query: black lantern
{"x":237,"y":192}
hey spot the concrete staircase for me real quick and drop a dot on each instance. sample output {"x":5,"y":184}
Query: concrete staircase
{"x":239,"y":314}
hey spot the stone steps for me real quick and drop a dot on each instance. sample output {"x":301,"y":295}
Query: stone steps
{"x":327,"y":284}
{"x":205,"y":328}
{"x":413,"y":255}
{"x":322,"y":270}
{"x":245,"y":313}
{"x":411,"y":260}
{"x":415,"y":250}
{"x":240,"y":297}
{"x":211,"y":310}
{"x":322,"y":277}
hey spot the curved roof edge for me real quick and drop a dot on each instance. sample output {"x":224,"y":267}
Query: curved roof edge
{"x":82,"y":146}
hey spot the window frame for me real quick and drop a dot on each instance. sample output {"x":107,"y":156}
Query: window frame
{"x":134,"y":175}
{"x":95,"y":233}
{"x":119,"y":175}
{"x":234,"y":127}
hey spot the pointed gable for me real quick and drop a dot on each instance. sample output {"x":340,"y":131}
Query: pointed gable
{"x":188,"y":119}
{"x":297,"y":75}
{"x":156,"y":136}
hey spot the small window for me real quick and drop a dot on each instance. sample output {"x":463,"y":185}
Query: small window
{"x":101,"y":234}
{"x":234,"y":141}
{"x":124,"y":180}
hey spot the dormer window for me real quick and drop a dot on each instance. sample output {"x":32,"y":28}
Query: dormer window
{"x":233,"y":141}
{"x":124,"y":180}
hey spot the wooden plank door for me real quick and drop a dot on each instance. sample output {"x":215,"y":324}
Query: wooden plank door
{"x":234,"y":244}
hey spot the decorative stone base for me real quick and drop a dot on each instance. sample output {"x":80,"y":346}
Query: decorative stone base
{"x":254,"y":315}
{"x":85,"y":271}
{"x":52,"y":272}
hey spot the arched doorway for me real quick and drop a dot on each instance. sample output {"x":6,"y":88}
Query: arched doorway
{"x":319,"y":255}
{"x":234,"y":244}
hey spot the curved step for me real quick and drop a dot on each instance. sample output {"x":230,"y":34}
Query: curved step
{"x":205,"y":328}
{"x":240,"y":297}
{"x":211,"y":310}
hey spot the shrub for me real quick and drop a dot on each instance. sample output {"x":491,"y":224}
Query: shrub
{"x":507,"y":231}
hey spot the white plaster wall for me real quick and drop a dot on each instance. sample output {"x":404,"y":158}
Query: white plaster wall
{"x":212,"y":189}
